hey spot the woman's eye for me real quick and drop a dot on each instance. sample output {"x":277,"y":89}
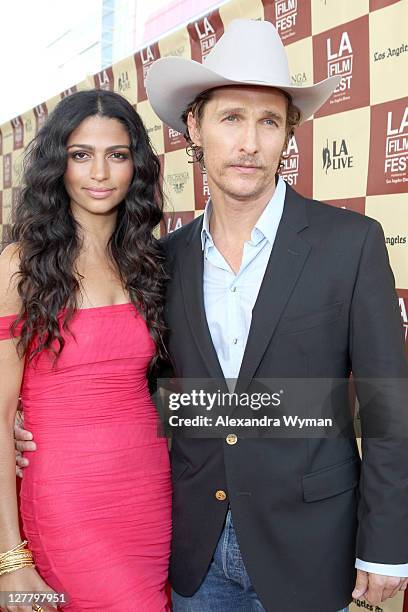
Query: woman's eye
{"x":79,"y":155}
{"x":118,"y":155}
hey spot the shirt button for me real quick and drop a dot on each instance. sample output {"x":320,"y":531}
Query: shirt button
{"x":233,"y":289}
{"x":231,"y":439}
{"x":235,"y":341}
{"x":221,"y":495}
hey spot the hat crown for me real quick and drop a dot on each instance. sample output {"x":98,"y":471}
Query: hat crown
{"x":250,"y":50}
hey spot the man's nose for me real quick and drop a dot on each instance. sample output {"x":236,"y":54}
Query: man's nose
{"x":99,"y":168}
{"x":249,"y":142}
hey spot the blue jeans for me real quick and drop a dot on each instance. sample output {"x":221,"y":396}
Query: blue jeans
{"x":227,"y":586}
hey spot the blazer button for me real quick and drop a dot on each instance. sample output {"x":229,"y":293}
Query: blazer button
{"x":221,"y":495}
{"x":231,"y":439}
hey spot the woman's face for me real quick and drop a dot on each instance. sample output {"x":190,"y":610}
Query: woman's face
{"x":99,"y":167}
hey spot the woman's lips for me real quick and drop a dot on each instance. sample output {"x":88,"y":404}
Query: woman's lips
{"x":99,"y":194}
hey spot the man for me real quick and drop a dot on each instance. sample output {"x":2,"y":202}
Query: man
{"x":268,"y":284}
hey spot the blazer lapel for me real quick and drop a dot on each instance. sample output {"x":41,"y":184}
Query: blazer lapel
{"x":286,"y":262}
{"x":191,"y":275}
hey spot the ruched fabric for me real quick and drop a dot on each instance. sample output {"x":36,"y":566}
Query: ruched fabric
{"x":96,"y":497}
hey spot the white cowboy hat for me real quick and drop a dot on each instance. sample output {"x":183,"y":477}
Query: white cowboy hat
{"x":249,"y":53}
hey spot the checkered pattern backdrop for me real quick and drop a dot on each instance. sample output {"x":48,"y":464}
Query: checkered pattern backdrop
{"x":353,"y":153}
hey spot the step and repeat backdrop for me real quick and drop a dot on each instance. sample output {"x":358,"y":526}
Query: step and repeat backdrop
{"x":353,"y":153}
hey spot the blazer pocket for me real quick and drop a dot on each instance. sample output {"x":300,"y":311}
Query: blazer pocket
{"x":331,"y":481}
{"x":295,"y":324}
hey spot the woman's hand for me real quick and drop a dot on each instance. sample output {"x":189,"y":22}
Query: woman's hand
{"x":26,"y":580}
{"x":23,"y":441}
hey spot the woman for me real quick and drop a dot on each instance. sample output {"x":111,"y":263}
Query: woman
{"x":85,"y":277}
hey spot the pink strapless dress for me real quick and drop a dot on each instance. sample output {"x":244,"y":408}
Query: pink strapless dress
{"x":95,"y":500}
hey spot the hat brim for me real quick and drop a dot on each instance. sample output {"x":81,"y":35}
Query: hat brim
{"x":173,"y":82}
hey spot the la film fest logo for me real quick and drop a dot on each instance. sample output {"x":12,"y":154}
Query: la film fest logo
{"x":206,"y":36}
{"x":285,"y":14}
{"x":290,"y":168}
{"x":18,"y":132}
{"x":147,"y":58}
{"x":178,"y":181}
{"x":340,"y":61}
{"x":336,"y":156}
{"x":103,"y":80}
{"x":396,"y":146}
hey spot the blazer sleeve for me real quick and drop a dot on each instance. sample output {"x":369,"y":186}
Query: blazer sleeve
{"x":380,"y":370}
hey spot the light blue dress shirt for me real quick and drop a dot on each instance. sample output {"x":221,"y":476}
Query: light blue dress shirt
{"x":229,"y":299}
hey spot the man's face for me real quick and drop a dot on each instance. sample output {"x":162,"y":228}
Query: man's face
{"x":242,"y":133}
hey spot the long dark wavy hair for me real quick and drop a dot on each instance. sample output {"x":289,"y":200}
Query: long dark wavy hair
{"x":49,"y":238}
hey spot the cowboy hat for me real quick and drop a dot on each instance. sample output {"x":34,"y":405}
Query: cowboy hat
{"x":249,"y":53}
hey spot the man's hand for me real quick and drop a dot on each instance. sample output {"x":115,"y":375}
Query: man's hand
{"x":23,"y":441}
{"x":376,"y":588}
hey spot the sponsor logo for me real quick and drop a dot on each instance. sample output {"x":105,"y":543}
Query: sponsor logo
{"x":298,"y":79}
{"x":178,"y":181}
{"x":336,"y":156}
{"x":206,"y":36}
{"x":290,"y":169}
{"x":396,"y":146}
{"x":340,"y":61}
{"x":123,"y":81}
{"x":285,"y":15}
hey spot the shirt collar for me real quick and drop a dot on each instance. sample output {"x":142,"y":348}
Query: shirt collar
{"x":265,"y":227}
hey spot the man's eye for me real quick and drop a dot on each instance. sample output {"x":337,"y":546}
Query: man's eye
{"x":231,"y":118}
{"x":270,"y":122}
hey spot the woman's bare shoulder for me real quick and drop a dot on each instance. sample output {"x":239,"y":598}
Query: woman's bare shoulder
{"x":9,"y":267}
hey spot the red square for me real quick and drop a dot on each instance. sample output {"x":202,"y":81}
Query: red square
{"x":298,"y":159}
{"x":143,"y":60}
{"x":344,"y":50}
{"x":201,"y":189}
{"x":7,"y":171}
{"x":174,"y":220}
{"x":41,"y":114}
{"x":173,"y":140}
{"x":104,"y":79}
{"x":291,"y":18}
{"x":18,"y":133}
{"x":379,"y":4}
{"x":388,"y":168}
{"x":204,"y":33}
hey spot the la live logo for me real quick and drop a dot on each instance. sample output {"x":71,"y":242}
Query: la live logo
{"x":340,"y":61}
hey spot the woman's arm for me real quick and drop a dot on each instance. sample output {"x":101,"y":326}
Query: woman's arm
{"x":25,"y":578}
{"x":11,"y":372}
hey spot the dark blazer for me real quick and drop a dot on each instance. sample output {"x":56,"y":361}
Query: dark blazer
{"x":327,"y":305}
